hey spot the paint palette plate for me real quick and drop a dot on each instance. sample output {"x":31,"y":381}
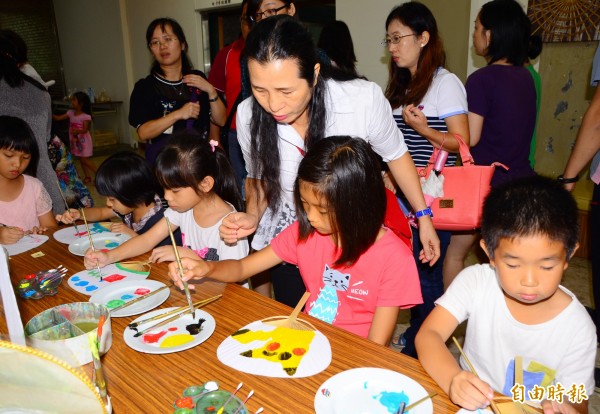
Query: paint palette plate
{"x":28,"y":242}
{"x":122,"y":292}
{"x":172,"y":337}
{"x":70,"y":235}
{"x":102,"y":241}
{"x":88,"y":281}
{"x":370,"y":390}
{"x":262,"y":349}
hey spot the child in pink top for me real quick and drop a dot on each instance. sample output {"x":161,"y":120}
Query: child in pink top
{"x":359,"y":273}
{"x":25,"y":205}
{"x":80,"y":139}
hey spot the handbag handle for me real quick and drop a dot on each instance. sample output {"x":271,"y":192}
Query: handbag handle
{"x":465,"y":154}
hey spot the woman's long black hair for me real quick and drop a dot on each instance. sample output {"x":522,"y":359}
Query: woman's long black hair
{"x":277,"y":38}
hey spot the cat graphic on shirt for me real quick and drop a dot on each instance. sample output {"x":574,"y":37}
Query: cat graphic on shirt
{"x":325,"y":307}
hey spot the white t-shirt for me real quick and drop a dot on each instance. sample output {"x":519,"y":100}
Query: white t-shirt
{"x":445,"y":97}
{"x":561,"y":350}
{"x":205,"y":241}
{"x":356,"y":108}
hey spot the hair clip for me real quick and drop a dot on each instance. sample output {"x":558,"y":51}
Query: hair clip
{"x":213,"y":144}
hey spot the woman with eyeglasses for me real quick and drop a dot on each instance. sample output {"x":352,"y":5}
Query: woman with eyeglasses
{"x":429,"y":105}
{"x":174,"y":96}
{"x":261,"y":9}
{"x":295,"y":103}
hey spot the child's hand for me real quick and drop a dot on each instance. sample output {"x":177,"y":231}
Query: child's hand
{"x":166,"y":254}
{"x":551,"y":407}
{"x":92,"y":259}
{"x":468,"y":391}
{"x":38,"y":230}
{"x":237,"y":226}
{"x":121,"y":227}
{"x":10,"y":235}
{"x":68,"y":216}
{"x":192,"y":269}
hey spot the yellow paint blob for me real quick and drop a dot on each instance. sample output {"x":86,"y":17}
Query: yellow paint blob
{"x":176,"y":340}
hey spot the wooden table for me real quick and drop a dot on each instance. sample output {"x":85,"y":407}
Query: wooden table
{"x":139,"y":382}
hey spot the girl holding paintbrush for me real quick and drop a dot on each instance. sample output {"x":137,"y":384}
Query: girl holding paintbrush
{"x":200,"y":188}
{"x":25,"y":205}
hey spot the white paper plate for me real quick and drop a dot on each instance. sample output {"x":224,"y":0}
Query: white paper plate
{"x":70,"y":235}
{"x":28,"y":242}
{"x":102,"y":241}
{"x":88,"y":281}
{"x":172,"y":337}
{"x":316,"y":358}
{"x":369,"y":391}
{"x":122,"y":292}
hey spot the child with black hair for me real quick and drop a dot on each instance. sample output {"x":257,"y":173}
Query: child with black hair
{"x":131,"y":191}
{"x":25,"y":205}
{"x":358,"y":272}
{"x":200,"y":188}
{"x":516,"y":306}
{"x":80,"y":119}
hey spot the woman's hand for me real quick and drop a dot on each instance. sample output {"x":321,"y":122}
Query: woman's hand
{"x":429,"y":240}
{"x":10,"y":235}
{"x":68,"y":216}
{"x":237,"y":226}
{"x":197,"y":81}
{"x":414,"y":118}
{"x":189,"y":110}
{"x":470,"y":392}
{"x":192,"y":269}
{"x":120,"y":227}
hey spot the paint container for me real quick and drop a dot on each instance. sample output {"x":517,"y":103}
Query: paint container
{"x":216,"y":399}
{"x":63,"y":331}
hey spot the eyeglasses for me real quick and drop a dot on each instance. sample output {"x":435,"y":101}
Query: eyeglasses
{"x":267,"y":13}
{"x":166,"y":40}
{"x":395,"y":39}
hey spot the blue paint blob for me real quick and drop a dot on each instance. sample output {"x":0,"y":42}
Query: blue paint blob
{"x":126,"y":296}
{"x":75,"y":278}
{"x":91,"y":288}
{"x":111,"y":245}
{"x":82,"y":283}
{"x":391,"y":400}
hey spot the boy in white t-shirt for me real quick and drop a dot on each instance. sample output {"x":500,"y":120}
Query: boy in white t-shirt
{"x":516,"y":307}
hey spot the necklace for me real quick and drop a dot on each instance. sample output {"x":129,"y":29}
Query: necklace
{"x":178,"y":86}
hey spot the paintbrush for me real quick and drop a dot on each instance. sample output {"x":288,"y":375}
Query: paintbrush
{"x":98,"y":372}
{"x":240,"y":385}
{"x":492,"y":403}
{"x":147,"y":295}
{"x":188,"y":296}
{"x":413,"y":405}
{"x":66,"y":204}
{"x":91,"y":241}
{"x":176,"y":316}
{"x":199,"y":304}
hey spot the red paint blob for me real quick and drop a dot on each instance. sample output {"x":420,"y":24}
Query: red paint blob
{"x":273,"y":346}
{"x":299,"y":351}
{"x":185,"y":402}
{"x":83,"y":233}
{"x":153,"y":338}
{"x":141,"y":291}
{"x":174,"y":328}
{"x":29,"y":277}
{"x":104,"y":250}
{"x":113,"y":278}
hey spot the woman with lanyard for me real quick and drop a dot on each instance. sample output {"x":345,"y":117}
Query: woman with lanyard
{"x":295,"y":103}
{"x":174,"y":96}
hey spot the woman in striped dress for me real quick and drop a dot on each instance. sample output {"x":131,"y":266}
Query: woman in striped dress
{"x":429,"y":105}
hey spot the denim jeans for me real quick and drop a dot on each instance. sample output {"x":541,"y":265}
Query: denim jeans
{"x":432,"y":287}
{"x":236,"y":159}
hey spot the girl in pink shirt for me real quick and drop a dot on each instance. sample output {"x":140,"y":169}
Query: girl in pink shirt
{"x":358,"y":272}
{"x":25,"y":205}
{"x":80,"y":139}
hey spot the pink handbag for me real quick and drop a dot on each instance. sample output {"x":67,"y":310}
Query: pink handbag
{"x":465,"y":188}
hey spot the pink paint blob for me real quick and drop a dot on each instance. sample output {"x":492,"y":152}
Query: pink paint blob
{"x":153,"y":338}
{"x":141,"y":291}
{"x":113,"y":278}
